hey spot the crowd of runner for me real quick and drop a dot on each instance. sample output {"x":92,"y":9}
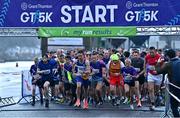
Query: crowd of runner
{"x":83,"y":78}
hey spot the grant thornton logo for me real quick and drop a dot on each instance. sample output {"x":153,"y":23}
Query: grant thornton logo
{"x":24,"y":6}
{"x":129,"y":4}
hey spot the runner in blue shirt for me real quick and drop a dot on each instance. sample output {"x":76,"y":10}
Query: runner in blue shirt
{"x":81,"y":72}
{"x":35,"y":81}
{"x":56,"y":77}
{"x":45,"y":69}
{"x":129,"y":74}
{"x":97,"y":72}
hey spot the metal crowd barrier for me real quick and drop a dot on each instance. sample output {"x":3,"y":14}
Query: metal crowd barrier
{"x":7,"y":101}
{"x":167,"y":98}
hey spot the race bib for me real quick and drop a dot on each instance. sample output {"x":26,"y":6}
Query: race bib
{"x":128,"y":78}
{"x":95,"y":71}
{"x":151,"y":67}
{"x":81,"y":69}
{"x":46,"y":72}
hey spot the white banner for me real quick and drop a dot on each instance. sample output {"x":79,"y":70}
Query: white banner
{"x":65,"y":41}
{"x":27,"y":84}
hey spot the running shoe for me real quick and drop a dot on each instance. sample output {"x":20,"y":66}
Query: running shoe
{"x":33,"y":103}
{"x":143,"y":99}
{"x":105,"y":98}
{"x":152,"y":108}
{"x":41,"y":101}
{"x":139,"y":104}
{"x":122,"y":98}
{"x":114,"y":102}
{"x":125,"y":101}
{"x":132,"y":106}
{"x":52,"y":98}
{"x":91,"y":101}
{"x":47,"y":104}
{"x":109,"y":98}
{"x":78,"y":103}
{"x":129,"y":101}
{"x":62,"y":100}
{"x":71,"y":103}
{"x":99,"y":103}
{"x":85,"y":104}
{"x":118,"y":102}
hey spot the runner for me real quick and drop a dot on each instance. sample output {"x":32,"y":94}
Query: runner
{"x":81,"y":72}
{"x":106,"y":59}
{"x":36,"y":81}
{"x":98,"y":72}
{"x":150,"y":62}
{"x":69,"y":82}
{"x":115,"y":77}
{"x":129,"y":74}
{"x":45,"y":70}
{"x":72,"y":55}
{"x":55,"y":74}
{"x":138,"y":64}
{"x":61,"y":62}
